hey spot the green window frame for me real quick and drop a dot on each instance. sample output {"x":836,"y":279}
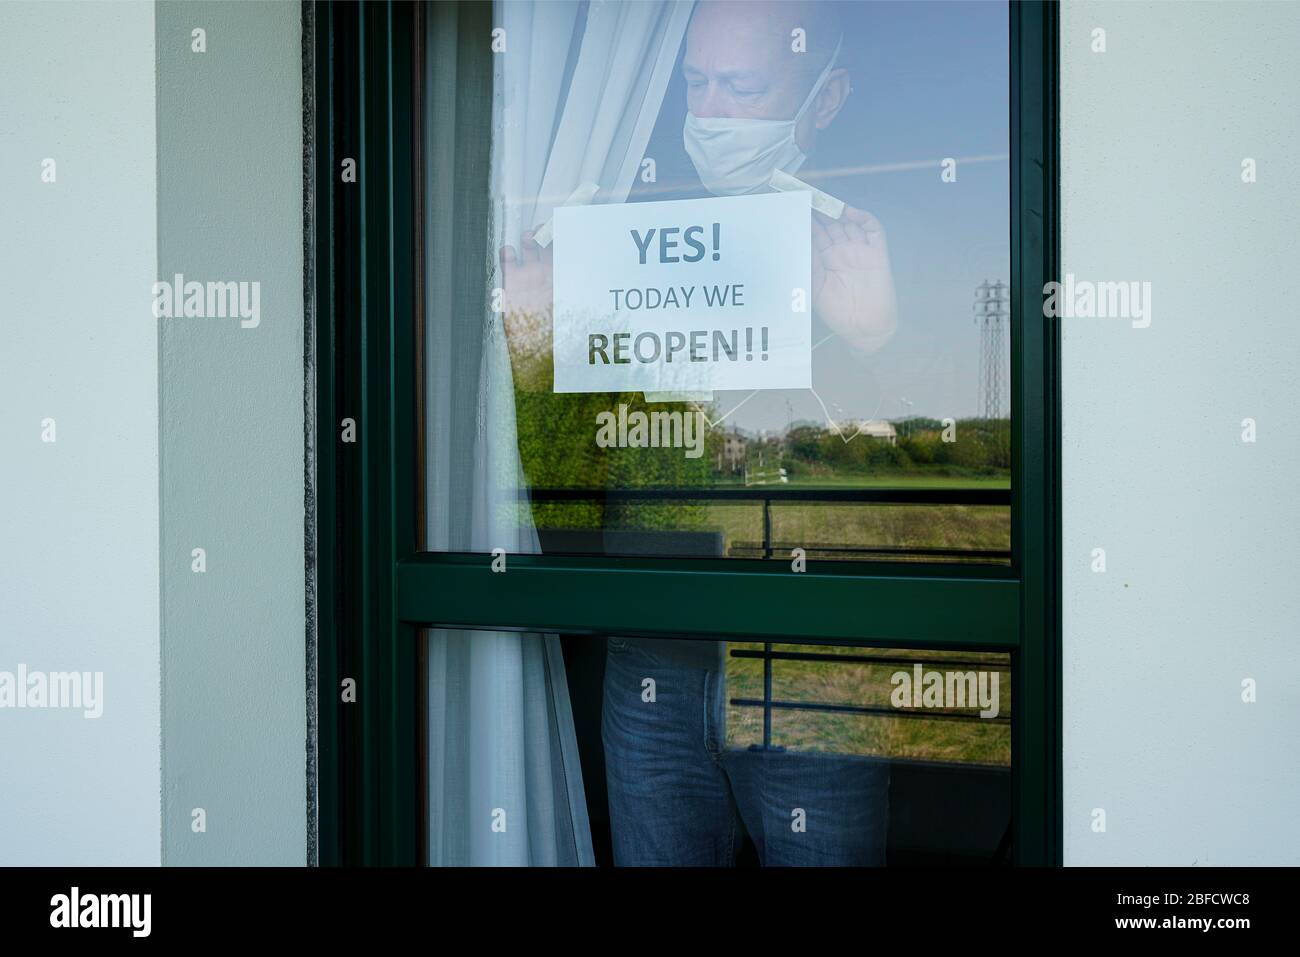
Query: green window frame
{"x":375,"y":590}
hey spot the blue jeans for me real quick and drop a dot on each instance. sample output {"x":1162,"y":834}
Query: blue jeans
{"x":679,"y":797}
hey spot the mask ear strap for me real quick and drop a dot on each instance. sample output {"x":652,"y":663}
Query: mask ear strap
{"x":821,"y":80}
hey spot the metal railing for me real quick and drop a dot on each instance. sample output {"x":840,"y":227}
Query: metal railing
{"x":768,"y":495}
{"x":768,"y":703}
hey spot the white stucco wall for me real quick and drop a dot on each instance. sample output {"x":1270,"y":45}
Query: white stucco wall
{"x":233,"y":649}
{"x":1199,"y":529}
{"x":168,"y":161}
{"x":79,"y":516}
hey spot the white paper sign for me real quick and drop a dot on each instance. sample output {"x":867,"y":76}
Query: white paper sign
{"x":688,"y":295}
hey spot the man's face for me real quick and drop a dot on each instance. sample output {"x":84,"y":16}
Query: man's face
{"x":739,"y":64}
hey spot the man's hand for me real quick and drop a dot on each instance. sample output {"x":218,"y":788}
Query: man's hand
{"x":853,"y":287}
{"x":526,"y":310}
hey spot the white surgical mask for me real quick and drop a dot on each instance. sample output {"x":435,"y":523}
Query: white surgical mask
{"x":735,"y":155}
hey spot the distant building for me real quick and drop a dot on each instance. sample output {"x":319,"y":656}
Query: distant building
{"x":733,"y":448}
{"x":878,"y":428}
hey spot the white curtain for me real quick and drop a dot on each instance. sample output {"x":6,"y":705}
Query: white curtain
{"x":573,"y":99}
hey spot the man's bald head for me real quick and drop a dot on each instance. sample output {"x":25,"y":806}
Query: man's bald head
{"x":744,"y":59}
{"x":771,"y":24}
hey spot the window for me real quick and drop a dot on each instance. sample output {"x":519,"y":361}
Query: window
{"x":689,"y":377}
{"x":874,"y":424}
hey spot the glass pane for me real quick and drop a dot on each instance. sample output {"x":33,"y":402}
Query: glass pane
{"x":631,"y":751}
{"x":795,"y":755}
{"x":718,"y":279}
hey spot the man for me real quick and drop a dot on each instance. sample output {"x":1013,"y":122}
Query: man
{"x":755,"y":105}
{"x":759,"y":95}
{"x":763,"y":84}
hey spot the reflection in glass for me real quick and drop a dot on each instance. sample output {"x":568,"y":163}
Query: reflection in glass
{"x":921,"y":705}
{"x":801,"y":753}
{"x":893,"y":125}
{"x":546,"y":751}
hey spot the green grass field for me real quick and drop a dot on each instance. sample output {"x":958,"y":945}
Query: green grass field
{"x":889,"y":480}
{"x":820,"y":527}
{"x":830,"y":530}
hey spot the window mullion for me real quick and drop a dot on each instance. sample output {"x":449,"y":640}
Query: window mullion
{"x":678,"y":599}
